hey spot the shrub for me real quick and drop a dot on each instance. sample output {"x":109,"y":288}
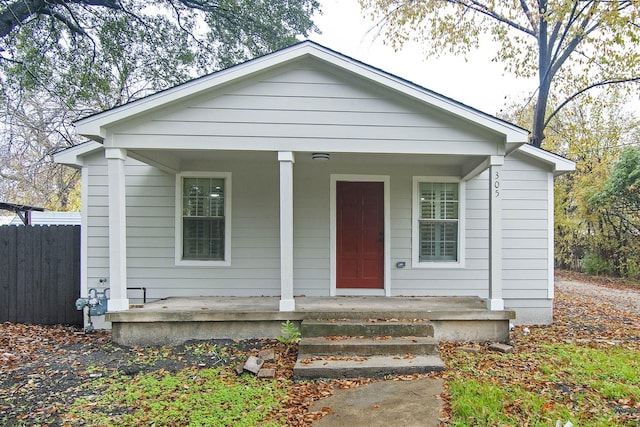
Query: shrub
{"x":595,"y":265}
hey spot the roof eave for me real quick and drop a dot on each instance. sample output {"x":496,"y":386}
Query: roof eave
{"x":73,"y":156}
{"x":560,"y":165}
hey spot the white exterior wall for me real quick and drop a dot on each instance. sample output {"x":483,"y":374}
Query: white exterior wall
{"x":305,"y":106}
{"x":526,"y":238}
{"x":254,"y":266}
{"x":312,"y":251}
{"x":151,"y":227}
{"x":303,"y":109}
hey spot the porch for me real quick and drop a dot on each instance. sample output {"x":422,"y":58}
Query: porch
{"x":175,"y":320}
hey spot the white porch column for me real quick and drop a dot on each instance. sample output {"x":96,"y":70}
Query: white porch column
{"x":495,"y":301}
{"x":286,"y":159}
{"x":118,"y":300}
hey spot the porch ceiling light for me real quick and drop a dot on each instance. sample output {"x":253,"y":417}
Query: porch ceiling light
{"x":323,"y":157}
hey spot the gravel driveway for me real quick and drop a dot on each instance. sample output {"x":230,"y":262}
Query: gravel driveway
{"x":624,"y":299}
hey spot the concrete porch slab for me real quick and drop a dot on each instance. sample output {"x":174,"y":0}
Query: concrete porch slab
{"x":176,"y":320}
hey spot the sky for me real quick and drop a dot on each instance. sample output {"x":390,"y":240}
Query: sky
{"x":478,"y":82}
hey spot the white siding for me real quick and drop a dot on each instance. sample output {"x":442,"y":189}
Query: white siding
{"x":254,"y":266}
{"x":303,"y":106}
{"x":526,"y":227}
{"x":311,"y":229}
{"x":255,"y":246}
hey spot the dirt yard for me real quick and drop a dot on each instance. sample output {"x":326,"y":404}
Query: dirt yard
{"x":623,"y":297}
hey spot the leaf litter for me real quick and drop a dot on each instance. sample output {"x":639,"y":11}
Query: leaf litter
{"x":44,"y":369}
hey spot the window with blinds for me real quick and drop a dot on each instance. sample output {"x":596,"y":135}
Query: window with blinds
{"x":438,"y":221}
{"x":203,"y":218}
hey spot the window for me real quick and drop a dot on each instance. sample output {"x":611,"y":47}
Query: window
{"x":438,"y":205}
{"x":202,"y":223}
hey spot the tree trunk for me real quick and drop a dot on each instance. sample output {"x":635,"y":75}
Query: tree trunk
{"x":544,"y":78}
{"x":19,"y":11}
{"x":537,"y":133}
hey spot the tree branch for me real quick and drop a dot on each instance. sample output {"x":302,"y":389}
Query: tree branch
{"x":72,"y":26}
{"x":492,"y":13}
{"x":585,"y":89}
{"x":559,"y":60}
{"x":19,"y":11}
{"x":527,"y":13}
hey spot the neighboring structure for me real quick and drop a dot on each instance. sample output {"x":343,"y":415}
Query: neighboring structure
{"x":23,"y":212}
{"x":50,"y":218}
{"x":306,"y":172}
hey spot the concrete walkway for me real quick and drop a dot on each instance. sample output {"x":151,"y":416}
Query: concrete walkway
{"x":384,"y":404}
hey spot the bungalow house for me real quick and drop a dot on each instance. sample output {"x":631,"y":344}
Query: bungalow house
{"x":307,"y":173}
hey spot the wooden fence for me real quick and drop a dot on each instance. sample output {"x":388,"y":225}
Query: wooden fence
{"x":40,"y":274}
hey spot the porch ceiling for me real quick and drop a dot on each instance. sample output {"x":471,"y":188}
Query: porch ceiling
{"x":175,"y":161}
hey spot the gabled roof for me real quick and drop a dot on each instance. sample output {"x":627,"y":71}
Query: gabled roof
{"x":94,"y":126}
{"x":72,"y":156}
{"x":558,"y":163}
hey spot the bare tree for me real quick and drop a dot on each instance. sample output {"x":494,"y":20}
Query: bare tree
{"x":572,"y":46}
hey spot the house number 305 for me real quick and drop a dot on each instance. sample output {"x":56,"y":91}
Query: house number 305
{"x":496,"y":184}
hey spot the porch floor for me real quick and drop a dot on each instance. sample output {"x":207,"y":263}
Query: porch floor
{"x":178,"y":319}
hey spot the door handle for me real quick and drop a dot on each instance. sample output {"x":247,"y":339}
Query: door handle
{"x":381,"y":238}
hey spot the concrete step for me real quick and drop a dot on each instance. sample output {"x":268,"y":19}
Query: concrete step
{"x":371,"y":328}
{"x":334,"y":367}
{"x":367,"y":346}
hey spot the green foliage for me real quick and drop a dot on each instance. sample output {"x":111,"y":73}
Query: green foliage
{"x":126,"y":49}
{"x":591,"y":234}
{"x":290,"y":333}
{"x":617,"y":203}
{"x":204,"y":397}
{"x":71,"y":59}
{"x":595,"y":265}
{"x":625,"y":178}
{"x":621,"y":193}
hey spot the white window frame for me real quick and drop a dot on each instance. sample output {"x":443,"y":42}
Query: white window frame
{"x":227,"y":220}
{"x":415,"y":219}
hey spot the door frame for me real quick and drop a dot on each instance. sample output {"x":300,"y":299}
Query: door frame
{"x":386,"y":180}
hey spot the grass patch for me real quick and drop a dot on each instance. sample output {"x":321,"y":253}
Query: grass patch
{"x":483,"y":403}
{"x":589,"y":386}
{"x":190,"y":397}
{"x":613,"y":372}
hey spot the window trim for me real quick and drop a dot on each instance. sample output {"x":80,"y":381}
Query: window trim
{"x":227,"y":220}
{"x":415,"y":218}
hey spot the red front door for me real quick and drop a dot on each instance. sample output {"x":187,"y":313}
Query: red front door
{"x":360,"y":234}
